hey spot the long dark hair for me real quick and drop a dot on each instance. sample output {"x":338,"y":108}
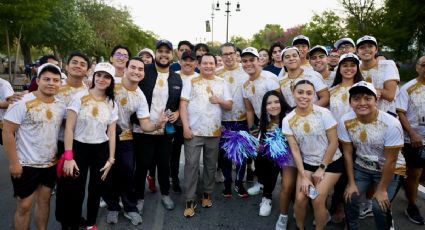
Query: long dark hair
{"x":264,"y":119}
{"x":338,"y":77}
{"x":109,"y":92}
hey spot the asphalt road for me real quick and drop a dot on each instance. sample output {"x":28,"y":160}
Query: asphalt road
{"x":233,"y":214}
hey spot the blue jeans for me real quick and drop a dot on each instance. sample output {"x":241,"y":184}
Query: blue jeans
{"x":364,"y":178}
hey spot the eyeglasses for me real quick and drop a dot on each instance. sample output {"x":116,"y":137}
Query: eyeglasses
{"x":227,"y":54}
{"x":120,"y":55}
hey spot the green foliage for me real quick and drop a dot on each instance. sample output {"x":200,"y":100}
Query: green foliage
{"x":240,"y":42}
{"x":267,"y":36}
{"x":324,"y":29}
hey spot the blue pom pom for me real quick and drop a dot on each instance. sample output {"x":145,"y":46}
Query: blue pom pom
{"x":239,"y":145}
{"x":275,"y":147}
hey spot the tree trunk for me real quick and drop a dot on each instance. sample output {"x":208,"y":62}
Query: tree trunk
{"x":17,"y":55}
{"x":26,"y":51}
{"x":9,"y":63}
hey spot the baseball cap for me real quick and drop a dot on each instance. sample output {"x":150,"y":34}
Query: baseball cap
{"x":363,"y":84}
{"x":54,"y":68}
{"x":146,"y":50}
{"x":367,"y":38}
{"x":105,"y":67}
{"x":344,"y":41}
{"x":287,"y":49}
{"x":250,"y":50}
{"x":188,"y":54}
{"x":350,"y":56}
{"x":164,"y":42}
{"x":318,"y":47}
{"x":298,"y":39}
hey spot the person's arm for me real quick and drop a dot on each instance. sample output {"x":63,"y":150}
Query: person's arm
{"x":381,"y":195}
{"x":296,"y":154}
{"x":330,"y":152}
{"x":323,"y":96}
{"x":224,"y":104}
{"x":415,"y":139}
{"x":9,"y":145}
{"x":187,"y":133}
{"x":389,"y":91}
{"x":111,"y":132}
{"x":71,"y":118}
{"x":148,"y":126}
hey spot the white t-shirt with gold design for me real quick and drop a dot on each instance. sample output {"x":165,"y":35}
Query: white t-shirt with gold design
{"x":66,"y":94}
{"x":6,"y":91}
{"x":37,"y":135}
{"x":235,"y":79}
{"x":371,"y":139}
{"x":339,"y":101}
{"x":254,"y":90}
{"x":384,"y":71}
{"x":411,"y":100}
{"x":93,"y":117}
{"x":310,"y":133}
{"x":187,"y":77}
{"x":329,"y":80}
{"x":129,"y":102}
{"x":287,"y":83}
{"x":204,"y":117}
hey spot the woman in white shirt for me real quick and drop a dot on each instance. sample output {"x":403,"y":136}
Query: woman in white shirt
{"x":312,"y":137}
{"x":89,"y":144}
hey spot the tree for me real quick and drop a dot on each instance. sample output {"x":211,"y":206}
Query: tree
{"x":267,"y":36}
{"x":240,"y":42}
{"x":324,"y":28}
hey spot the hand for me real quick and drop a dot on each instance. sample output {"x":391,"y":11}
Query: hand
{"x":105,"y":169}
{"x":161,"y":120}
{"x":173,"y":116}
{"x":15,"y":170}
{"x":378,"y":94}
{"x":254,"y":132}
{"x":69,"y":167}
{"x":187,"y":133}
{"x":350,"y":190}
{"x":305,"y":183}
{"x":15,"y":97}
{"x":382,"y":197}
{"x":416,"y":140}
{"x":318,"y":176}
{"x":214,"y":99}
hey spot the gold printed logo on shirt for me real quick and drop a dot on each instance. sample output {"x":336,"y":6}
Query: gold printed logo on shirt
{"x":253,"y":89}
{"x":306,"y":127}
{"x":95,"y":111}
{"x":344,"y":97}
{"x":123,"y":101}
{"x":49,"y":114}
{"x":208,"y":89}
{"x":161,"y":83}
{"x":231,"y":80}
{"x":369,"y":79}
{"x":363,"y":136}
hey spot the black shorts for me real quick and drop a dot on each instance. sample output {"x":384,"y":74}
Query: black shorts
{"x":334,"y":167}
{"x":31,"y":178}
{"x":413,"y":160}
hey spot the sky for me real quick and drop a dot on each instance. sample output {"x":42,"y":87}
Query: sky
{"x":177,"y":20}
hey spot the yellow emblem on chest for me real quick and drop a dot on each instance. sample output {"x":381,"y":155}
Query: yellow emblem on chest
{"x":253,"y":89}
{"x":95,"y":111}
{"x":49,"y":114}
{"x":161,"y":83}
{"x":231,"y":80}
{"x":363,"y":136}
{"x":123,"y":101}
{"x":306,"y":127}
{"x":344,"y":97}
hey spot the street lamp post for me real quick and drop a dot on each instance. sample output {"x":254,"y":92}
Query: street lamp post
{"x":227,"y":3}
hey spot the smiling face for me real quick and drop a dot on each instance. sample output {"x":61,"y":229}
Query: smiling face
{"x":251,"y":64}
{"x":319,"y":61}
{"x":135,"y":71}
{"x":120,"y":58}
{"x":367,"y":51}
{"x":228,"y":54}
{"x":303,"y":95}
{"x":264,"y":58}
{"x":187,"y":65}
{"x":207,"y":65}
{"x":273,"y":107}
{"x":146,"y":58}
{"x":348,"y":69}
{"x":163,"y":56}
{"x":49,"y":83}
{"x":363,"y":104}
{"x":303,"y":48}
{"x":102,"y":80}
{"x":77,"y":67}
{"x":291,"y":59}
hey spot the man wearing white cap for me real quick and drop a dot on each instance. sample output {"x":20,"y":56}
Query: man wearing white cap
{"x":383,"y":74}
{"x":146,"y":55}
{"x":318,"y":57}
{"x":345,"y":45}
{"x":234,"y":119}
{"x":377,"y":137}
{"x":30,"y":133}
{"x":303,"y":44}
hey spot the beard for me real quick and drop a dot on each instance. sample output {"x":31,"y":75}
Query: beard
{"x":162,"y":65}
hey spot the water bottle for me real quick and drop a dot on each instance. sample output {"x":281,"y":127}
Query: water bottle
{"x":169,"y":127}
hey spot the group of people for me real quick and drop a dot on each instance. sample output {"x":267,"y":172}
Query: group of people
{"x":350,"y":129}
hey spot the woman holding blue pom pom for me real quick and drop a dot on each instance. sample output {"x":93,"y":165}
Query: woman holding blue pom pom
{"x":312,"y":137}
{"x":272,"y":152}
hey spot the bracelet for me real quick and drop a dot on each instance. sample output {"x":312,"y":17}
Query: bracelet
{"x":68,"y":155}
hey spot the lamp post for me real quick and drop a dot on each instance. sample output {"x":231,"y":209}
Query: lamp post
{"x":227,"y":3}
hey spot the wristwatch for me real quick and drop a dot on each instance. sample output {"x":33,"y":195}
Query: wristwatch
{"x":323,"y":166}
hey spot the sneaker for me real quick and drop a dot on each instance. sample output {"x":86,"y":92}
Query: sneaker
{"x":256,"y":189}
{"x":219,"y":178}
{"x":151,"y":184}
{"x":139,"y":205}
{"x":167,"y":202}
{"x":112,"y":217}
{"x":241,"y":191}
{"x":227,"y":192}
{"x":366,"y":210}
{"x":176,"y":187}
{"x":189,"y":211}
{"x":265,"y":207}
{"x":412,"y":212}
{"x":206,"y":200}
{"x":282,"y":222}
{"x":134,"y":217}
{"x":94,"y":227}
{"x":102,"y":203}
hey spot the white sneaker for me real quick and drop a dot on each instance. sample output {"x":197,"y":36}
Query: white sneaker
{"x":134,"y":217}
{"x":112,"y":217}
{"x":366,"y":210}
{"x":265,"y":207}
{"x":282,"y":222}
{"x":102,"y":203}
{"x":256,"y":189}
{"x":140,"y":205}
